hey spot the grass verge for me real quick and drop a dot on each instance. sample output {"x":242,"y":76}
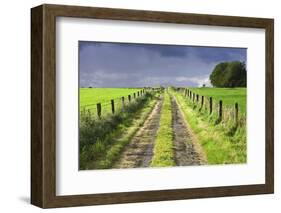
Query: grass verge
{"x":163,"y":154}
{"x":102,"y":141}
{"x":222,"y":143}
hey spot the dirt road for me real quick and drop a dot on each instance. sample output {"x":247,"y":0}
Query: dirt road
{"x":185,"y":151}
{"x":140,"y":150}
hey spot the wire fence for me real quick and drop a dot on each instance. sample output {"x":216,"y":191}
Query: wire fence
{"x":215,"y":107}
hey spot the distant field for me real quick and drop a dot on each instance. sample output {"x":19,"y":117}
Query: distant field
{"x":228,"y":95}
{"x":101,"y":95}
{"x":89,"y":97}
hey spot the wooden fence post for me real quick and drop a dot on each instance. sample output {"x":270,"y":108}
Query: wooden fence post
{"x":197,"y":98}
{"x":236,"y":113}
{"x":138,"y":93}
{"x":99,"y":109}
{"x":112,"y":106}
{"x":123,"y":103}
{"x":211,"y":105}
{"x":202,"y":101}
{"x":220,"y":110}
{"x":129,"y":98}
{"x":193,"y":97}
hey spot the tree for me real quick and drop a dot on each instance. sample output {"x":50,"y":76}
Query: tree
{"x":217,"y":76}
{"x":229,"y":74}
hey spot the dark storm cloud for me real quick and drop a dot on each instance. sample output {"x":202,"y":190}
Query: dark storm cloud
{"x":210,"y":54}
{"x":168,"y":50}
{"x":136,"y":65}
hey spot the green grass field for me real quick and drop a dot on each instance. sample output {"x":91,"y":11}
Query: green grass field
{"x":228,"y":95}
{"x":103,"y":95}
{"x":102,"y":140}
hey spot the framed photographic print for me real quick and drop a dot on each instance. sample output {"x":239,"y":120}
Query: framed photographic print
{"x":136,"y":106}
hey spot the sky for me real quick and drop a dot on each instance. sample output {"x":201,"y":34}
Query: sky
{"x":103,"y":64}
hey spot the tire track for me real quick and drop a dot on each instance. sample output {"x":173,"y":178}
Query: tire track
{"x":185,"y":151}
{"x":140,"y":150}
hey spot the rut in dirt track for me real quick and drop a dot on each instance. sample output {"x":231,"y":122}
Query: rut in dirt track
{"x":140,"y":150}
{"x":185,"y":152}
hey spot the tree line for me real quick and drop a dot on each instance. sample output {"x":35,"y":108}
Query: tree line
{"x":229,"y":74}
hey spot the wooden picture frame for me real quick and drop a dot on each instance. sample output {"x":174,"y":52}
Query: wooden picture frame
{"x":43,"y":105}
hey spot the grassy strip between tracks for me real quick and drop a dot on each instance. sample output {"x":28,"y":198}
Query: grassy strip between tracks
{"x":163,"y":154}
